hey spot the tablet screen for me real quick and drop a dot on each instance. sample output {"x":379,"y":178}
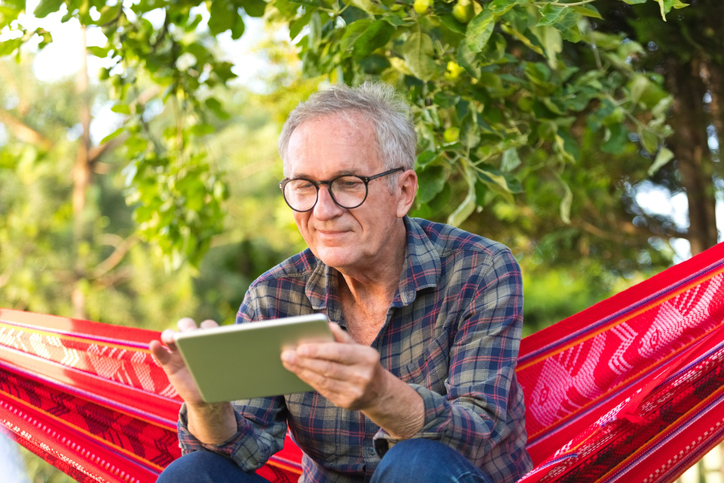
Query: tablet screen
{"x":243,"y":361}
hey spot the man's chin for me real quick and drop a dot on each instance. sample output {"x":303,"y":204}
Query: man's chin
{"x":336,"y":257}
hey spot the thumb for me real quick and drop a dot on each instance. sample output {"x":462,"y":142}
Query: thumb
{"x":340,"y":335}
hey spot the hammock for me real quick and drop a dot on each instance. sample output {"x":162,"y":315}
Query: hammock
{"x":632,"y":388}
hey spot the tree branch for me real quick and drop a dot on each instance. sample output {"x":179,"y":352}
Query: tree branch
{"x":114,"y":259}
{"x":24,"y":132}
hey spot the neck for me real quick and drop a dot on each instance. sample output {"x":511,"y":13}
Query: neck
{"x":379,"y":279}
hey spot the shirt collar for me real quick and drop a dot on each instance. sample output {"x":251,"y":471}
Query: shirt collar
{"x":421,"y":270}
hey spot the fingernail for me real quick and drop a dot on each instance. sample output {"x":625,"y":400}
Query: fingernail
{"x":288,"y":356}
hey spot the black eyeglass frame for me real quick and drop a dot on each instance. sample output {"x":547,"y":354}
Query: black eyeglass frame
{"x":365,"y":180}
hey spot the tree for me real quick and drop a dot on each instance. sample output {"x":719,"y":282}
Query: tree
{"x":686,"y":53}
{"x":501,"y":92}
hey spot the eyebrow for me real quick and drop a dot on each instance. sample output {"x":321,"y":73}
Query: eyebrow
{"x":345,"y":172}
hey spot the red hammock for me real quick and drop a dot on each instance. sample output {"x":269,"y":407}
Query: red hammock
{"x":631,"y":388}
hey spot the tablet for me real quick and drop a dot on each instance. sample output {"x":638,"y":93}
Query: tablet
{"x":243,"y":361}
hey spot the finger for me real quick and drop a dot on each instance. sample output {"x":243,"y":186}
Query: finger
{"x":208,"y":324}
{"x":323,"y":368}
{"x":186,"y":324}
{"x":168,"y":337}
{"x":325,"y":385}
{"x":331,"y":351}
{"x":339,"y":392}
{"x":340,"y":335}
{"x":347,"y":354}
{"x":159,"y":352}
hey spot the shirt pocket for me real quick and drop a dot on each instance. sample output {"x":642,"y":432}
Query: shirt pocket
{"x":431,"y":368}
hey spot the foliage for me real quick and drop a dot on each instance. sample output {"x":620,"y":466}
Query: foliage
{"x":500,"y":89}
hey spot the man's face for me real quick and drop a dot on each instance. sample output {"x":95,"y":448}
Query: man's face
{"x":323,"y":148}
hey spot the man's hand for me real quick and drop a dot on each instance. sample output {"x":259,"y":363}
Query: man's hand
{"x":173,"y":364}
{"x":350,"y":376}
{"x":210,"y":423}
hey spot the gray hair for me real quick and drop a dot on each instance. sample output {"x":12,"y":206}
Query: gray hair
{"x":391,"y":117}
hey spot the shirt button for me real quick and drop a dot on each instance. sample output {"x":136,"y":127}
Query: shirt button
{"x":371,"y":451}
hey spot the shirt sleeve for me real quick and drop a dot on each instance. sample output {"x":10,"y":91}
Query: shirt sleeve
{"x":474,"y":416}
{"x":261,"y":427}
{"x":261,"y":422}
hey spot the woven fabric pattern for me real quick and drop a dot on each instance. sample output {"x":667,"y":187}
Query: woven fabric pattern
{"x":631,"y":389}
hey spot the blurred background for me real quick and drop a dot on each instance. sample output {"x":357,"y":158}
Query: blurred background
{"x":70,"y":243}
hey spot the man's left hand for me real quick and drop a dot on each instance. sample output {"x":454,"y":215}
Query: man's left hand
{"x":351,"y":377}
{"x":348,"y":374}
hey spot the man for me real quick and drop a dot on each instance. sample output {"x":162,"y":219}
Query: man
{"x":419,"y":384}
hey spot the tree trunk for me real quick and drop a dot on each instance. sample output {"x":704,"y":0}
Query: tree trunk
{"x":691,"y":149}
{"x":715,"y":84}
{"x":82,"y":179}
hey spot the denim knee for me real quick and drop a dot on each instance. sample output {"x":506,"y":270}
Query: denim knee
{"x":206,"y":467}
{"x":429,"y":461}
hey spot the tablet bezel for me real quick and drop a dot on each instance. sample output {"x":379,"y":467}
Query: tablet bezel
{"x":243,"y":361}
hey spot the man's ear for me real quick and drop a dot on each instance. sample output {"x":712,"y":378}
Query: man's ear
{"x":407,"y":186}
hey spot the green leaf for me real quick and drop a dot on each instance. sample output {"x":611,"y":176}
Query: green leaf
{"x":98,"y":51}
{"x":353,"y":32}
{"x":431,"y":181}
{"x":637,"y":86}
{"x":202,"y":129}
{"x":470,"y":132}
{"x":666,"y":5}
{"x":401,"y":66}
{"x":649,"y":140}
{"x":494,"y":50}
{"x":480,"y":29}
{"x":296,"y":26}
{"x":10,"y":46}
{"x":369,"y":6}
{"x":418,"y":51}
{"x":425,"y":158}
{"x":494,"y":180}
{"x":453,"y":24}
{"x":635,"y":2}
{"x":46,"y":7}
{"x":617,"y":137}
{"x":552,"y":42}
{"x":366,"y":36}
{"x":374,"y":64}
{"x":109,"y":13}
{"x":113,"y":135}
{"x":550,"y":14}
{"x":121,"y":109}
{"x":467,"y":207}
{"x":253,"y":8}
{"x":566,"y":202}
{"x":664,"y":156}
{"x":467,"y":59}
{"x":223,"y":15}
{"x":588,"y":11}
{"x":214,"y":105}
{"x":510,"y":160}
{"x":237,"y":30}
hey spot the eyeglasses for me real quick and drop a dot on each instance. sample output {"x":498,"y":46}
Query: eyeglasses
{"x":348,"y":191}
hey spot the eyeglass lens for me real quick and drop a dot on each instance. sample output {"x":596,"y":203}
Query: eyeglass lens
{"x":347,"y":191}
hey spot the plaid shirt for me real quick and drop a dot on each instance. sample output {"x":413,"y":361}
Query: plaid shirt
{"x":452,"y":333}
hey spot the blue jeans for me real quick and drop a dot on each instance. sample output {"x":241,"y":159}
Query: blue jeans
{"x":412,"y":460}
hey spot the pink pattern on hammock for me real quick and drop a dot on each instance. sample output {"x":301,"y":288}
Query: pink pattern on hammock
{"x":630,"y":388}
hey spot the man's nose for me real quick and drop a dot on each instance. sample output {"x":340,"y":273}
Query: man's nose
{"x":326,"y":208}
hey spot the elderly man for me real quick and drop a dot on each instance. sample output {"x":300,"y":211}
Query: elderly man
{"x":420,"y":382}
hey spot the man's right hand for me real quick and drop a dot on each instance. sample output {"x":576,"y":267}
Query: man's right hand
{"x":210,"y":423}
{"x":170,"y":359}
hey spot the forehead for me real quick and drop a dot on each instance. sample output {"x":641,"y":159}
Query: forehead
{"x":332,"y":144}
